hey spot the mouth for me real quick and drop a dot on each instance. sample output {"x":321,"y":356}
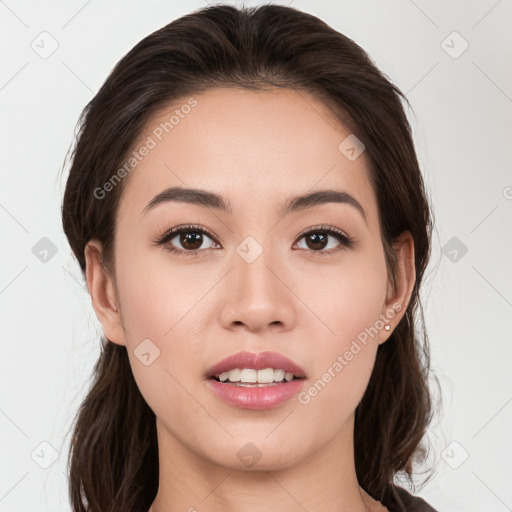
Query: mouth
{"x":255,"y":385}
{"x":253,"y":369}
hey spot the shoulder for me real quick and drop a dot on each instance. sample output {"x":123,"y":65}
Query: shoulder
{"x":411,"y":503}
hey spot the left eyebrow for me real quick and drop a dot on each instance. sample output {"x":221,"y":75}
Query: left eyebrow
{"x":320,"y":197}
{"x":215,"y":201}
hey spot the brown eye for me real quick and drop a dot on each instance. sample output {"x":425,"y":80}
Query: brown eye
{"x":187,"y":240}
{"x":318,"y":239}
{"x":190,"y":240}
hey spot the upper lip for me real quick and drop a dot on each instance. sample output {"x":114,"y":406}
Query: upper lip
{"x":256,"y":361}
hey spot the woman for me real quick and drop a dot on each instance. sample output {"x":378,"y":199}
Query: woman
{"x":247,"y":208}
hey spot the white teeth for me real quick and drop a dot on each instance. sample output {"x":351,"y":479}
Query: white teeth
{"x":248,"y":375}
{"x":233,"y":375}
{"x":279,"y":374}
{"x":266,"y":376}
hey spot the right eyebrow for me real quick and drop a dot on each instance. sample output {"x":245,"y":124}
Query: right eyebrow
{"x":189,"y":195}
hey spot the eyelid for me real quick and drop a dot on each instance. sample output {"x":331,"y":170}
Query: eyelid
{"x":185,"y":227}
{"x":324,"y":228}
{"x":171,"y":233}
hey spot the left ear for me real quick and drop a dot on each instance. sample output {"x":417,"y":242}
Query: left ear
{"x":398,"y":296}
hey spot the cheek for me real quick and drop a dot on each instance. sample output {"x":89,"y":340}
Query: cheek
{"x":166,"y":306}
{"x":343,"y":363}
{"x":349,"y":302}
{"x":156,"y":296}
{"x":348,"y":298}
{"x":147,"y":304}
{"x":163,"y":321}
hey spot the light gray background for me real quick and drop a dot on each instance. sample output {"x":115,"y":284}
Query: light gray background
{"x":462,"y":124}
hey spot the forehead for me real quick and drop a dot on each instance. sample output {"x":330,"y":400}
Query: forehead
{"x":259,"y":145}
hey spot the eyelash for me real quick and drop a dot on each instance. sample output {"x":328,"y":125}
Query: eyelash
{"x":346,"y":241}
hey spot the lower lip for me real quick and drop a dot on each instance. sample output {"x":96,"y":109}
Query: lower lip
{"x":264,"y":397}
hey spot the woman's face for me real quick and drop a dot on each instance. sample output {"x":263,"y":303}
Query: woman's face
{"x":257,"y":282}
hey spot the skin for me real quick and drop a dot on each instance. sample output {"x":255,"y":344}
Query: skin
{"x":256,"y":149}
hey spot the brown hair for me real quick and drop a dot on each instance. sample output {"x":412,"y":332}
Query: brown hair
{"x":113,"y":459}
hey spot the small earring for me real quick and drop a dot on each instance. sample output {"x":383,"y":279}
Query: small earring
{"x":387,"y":327}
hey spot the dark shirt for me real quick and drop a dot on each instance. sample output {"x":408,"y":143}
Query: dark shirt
{"x":411,"y":503}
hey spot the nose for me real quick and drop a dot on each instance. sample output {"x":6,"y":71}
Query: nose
{"x":258,"y":296}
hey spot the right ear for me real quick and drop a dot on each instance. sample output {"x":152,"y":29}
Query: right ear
{"x":103,"y":293}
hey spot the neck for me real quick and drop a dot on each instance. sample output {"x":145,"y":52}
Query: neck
{"x":323,"y":480}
